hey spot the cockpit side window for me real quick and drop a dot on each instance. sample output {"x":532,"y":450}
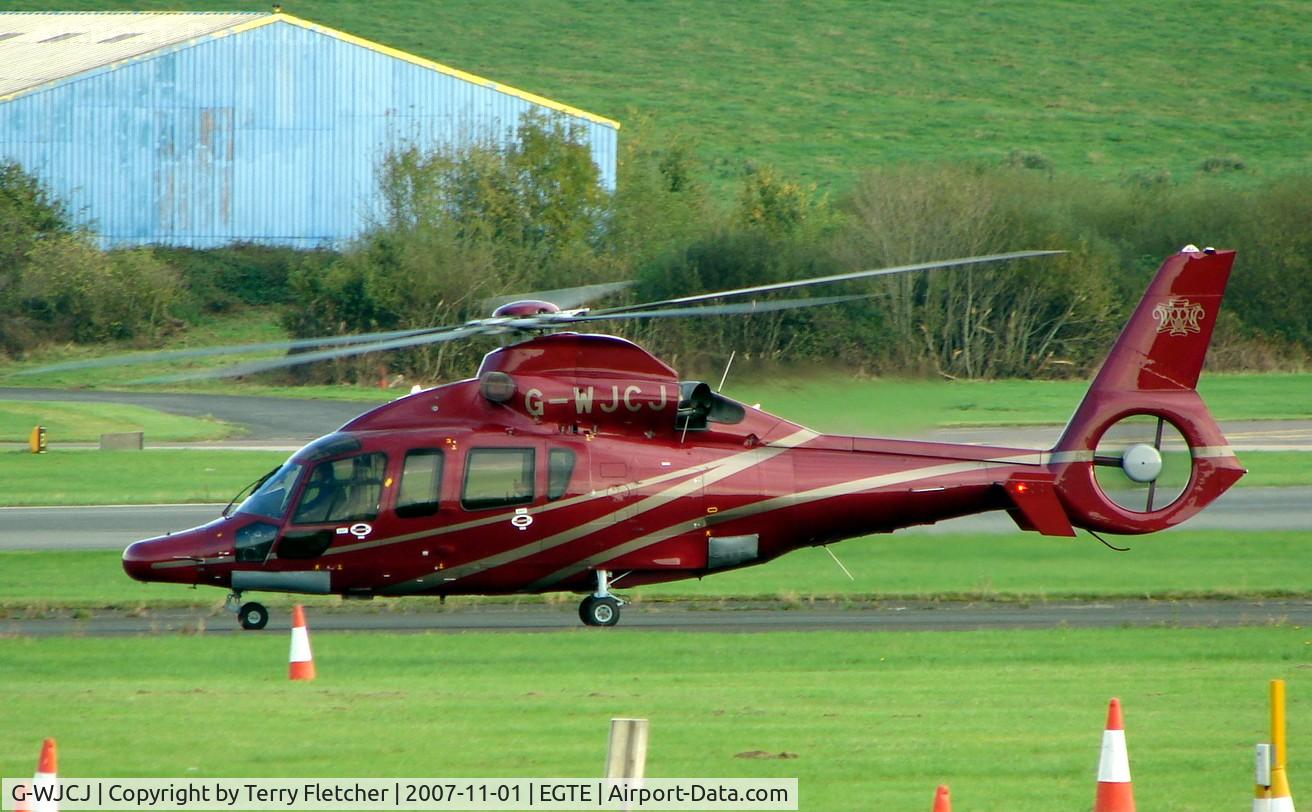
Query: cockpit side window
{"x":343,"y":490}
{"x":497,"y":477}
{"x":421,"y":483}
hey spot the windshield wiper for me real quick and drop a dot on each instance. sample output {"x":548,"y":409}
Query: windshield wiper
{"x":251,"y":488}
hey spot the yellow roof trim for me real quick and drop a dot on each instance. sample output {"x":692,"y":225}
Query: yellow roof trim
{"x":423,"y":63}
{"x":269,"y":19}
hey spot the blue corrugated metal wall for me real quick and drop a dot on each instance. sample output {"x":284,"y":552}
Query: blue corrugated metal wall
{"x":270,"y":135}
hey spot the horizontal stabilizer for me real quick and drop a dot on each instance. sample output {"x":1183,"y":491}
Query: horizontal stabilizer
{"x":1035,"y":506}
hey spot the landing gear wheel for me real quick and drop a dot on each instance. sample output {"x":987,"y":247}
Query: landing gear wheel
{"x":253,"y":615}
{"x":595,"y":611}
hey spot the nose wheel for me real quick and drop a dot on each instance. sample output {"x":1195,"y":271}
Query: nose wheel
{"x":601,"y":608}
{"x":251,"y":615}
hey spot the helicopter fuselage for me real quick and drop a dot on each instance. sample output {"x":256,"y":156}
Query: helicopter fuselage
{"x":568,"y":454}
{"x":572,"y":462}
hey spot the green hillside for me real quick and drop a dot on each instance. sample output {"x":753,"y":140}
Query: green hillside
{"x":824,"y":89}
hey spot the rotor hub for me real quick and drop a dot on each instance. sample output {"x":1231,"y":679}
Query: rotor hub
{"x":525,"y":307}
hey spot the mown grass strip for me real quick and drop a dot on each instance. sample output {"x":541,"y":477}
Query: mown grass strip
{"x":85,"y":422}
{"x":882,"y":406}
{"x":154,"y":476}
{"x":1021,"y":567}
{"x":1011,"y":720}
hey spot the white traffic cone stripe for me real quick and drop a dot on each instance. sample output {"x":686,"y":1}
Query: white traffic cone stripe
{"x":1114,"y":762}
{"x":300,"y":645}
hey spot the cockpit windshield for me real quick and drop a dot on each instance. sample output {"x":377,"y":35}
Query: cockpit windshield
{"x":271,"y":498}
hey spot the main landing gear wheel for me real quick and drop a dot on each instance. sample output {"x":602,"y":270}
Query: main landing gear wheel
{"x":601,"y":608}
{"x":253,"y":615}
{"x":594,"y":611}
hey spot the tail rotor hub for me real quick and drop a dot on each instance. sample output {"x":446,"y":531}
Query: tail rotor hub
{"x":1142,"y":463}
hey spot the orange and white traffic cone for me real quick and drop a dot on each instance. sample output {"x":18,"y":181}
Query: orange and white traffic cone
{"x":1115,"y":793}
{"x":942,"y":801}
{"x":301,"y":661}
{"x":45,"y":783}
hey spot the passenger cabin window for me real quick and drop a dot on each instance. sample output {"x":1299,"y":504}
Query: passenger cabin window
{"x":344,"y":490}
{"x":560,"y":467}
{"x":421,"y":483}
{"x":497,"y":477}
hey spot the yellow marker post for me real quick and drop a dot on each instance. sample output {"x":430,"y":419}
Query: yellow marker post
{"x":1275,"y":796}
{"x":1278,"y":721}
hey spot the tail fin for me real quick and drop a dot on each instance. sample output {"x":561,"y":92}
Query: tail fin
{"x":1146,"y":387}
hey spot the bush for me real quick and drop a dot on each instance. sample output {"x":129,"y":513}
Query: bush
{"x":29,"y":215}
{"x":1042,"y":316}
{"x":218,"y":280}
{"x":458,"y":226}
{"x":78,"y":293}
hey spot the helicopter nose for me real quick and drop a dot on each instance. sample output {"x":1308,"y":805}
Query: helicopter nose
{"x":137,"y":560}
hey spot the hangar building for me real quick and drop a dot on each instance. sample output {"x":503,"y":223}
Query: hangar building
{"x":202,"y":129}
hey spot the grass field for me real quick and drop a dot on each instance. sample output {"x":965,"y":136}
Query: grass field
{"x":878,"y":405}
{"x":85,"y":422}
{"x":826,"y":89}
{"x":83,"y":477}
{"x":1012,"y":721}
{"x":1017,"y":566}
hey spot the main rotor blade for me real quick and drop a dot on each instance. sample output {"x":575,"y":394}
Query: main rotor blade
{"x":564,"y":298}
{"x":201,"y":352}
{"x":493,"y":327}
{"x":403,"y":342}
{"x":822,"y":280}
{"x":764,"y":306}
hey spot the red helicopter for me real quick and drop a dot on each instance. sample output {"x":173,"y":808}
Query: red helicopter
{"x":581,"y":462}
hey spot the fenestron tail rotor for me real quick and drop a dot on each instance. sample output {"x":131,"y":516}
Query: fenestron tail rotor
{"x":1142,"y":463}
{"x":544,"y":310}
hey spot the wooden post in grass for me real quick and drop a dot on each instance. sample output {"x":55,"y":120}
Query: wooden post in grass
{"x":122,"y":441}
{"x":626,"y":752}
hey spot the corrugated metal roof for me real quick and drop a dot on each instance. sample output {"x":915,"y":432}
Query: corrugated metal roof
{"x":41,"y":47}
